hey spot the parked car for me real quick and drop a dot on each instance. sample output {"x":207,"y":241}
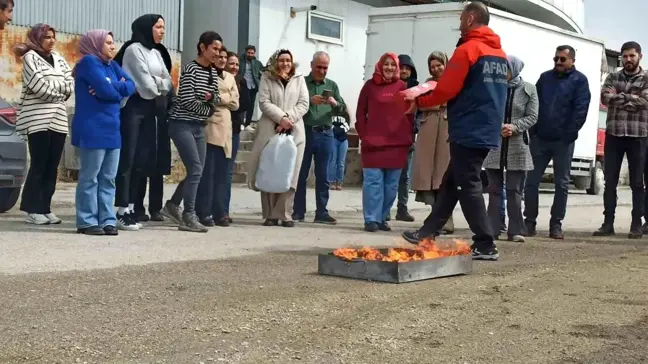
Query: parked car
{"x":598,"y":177}
{"x":13,"y":158}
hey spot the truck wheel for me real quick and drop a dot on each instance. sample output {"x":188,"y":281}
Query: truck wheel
{"x":582,"y":183}
{"x":598,"y":180}
{"x":8,"y":198}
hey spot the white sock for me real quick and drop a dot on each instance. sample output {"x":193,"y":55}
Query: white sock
{"x":122,"y":211}
{"x":131,"y":207}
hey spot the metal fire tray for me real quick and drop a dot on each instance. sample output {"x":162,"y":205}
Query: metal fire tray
{"x":394,"y":272}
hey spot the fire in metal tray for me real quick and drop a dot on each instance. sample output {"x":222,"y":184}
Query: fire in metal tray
{"x":427,"y":249}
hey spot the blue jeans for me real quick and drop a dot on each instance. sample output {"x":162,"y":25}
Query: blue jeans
{"x":379,"y":190}
{"x":543,"y":152}
{"x":95,"y":191}
{"x":236,"y":141}
{"x":319,"y":146}
{"x":338,"y":161}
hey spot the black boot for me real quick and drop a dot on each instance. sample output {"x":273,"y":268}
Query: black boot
{"x":636,"y":230}
{"x":404,"y":215}
{"x":607,"y":229}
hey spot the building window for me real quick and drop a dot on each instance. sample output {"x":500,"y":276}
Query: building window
{"x":325,"y":27}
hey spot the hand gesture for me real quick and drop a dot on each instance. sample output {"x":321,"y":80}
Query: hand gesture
{"x":123,"y":79}
{"x":285,"y":123}
{"x":412,"y":109}
{"x":331,"y":101}
{"x":208,"y":96}
{"x":91,"y":91}
{"x":318,"y":100}
{"x":507,"y":130}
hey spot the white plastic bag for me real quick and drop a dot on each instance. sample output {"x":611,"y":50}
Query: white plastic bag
{"x":277,"y":164}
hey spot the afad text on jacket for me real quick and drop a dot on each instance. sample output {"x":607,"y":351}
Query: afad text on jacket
{"x":474,"y":85}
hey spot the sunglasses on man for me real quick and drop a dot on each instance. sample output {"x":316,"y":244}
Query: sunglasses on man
{"x":561,"y":59}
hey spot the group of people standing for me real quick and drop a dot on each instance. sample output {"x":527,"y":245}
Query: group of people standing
{"x":126,"y":114}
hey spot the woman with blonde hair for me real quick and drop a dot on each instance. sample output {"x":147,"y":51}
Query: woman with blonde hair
{"x":283,"y":100}
{"x":432,"y":149}
{"x":42,"y":118}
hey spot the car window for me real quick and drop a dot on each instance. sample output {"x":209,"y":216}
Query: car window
{"x":602,"y":119}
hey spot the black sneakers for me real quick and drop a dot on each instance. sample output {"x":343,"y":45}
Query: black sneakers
{"x":173,"y":212}
{"x":484,"y":252}
{"x":404,"y":215}
{"x":127,"y":223}
{"x":327,"y":219}
{"x":411,"y":236}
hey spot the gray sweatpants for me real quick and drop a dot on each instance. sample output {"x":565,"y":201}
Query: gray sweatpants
{"x":189,"y":139}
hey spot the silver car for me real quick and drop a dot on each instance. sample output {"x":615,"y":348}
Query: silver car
{"x":13,"y":158}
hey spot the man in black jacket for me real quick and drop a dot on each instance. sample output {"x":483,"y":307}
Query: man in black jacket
{"x":410,"y":77}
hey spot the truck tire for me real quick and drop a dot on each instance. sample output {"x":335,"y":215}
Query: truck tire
{"x":8,"y":198}
{"x":597,"y":181}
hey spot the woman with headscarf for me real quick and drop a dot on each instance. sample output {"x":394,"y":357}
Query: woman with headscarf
{"x":146,"y":148}
{"x":513,"y":158}
{"x":218,"y":134}
{"x":238,"y":121}
{"x":386,"y":136}
{"x":100,"y":86}
{"x":284,"y":100}
{"x":432,"y":149}
{"x":42,"y":117}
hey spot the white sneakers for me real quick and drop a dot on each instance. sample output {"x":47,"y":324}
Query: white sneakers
{"x":42,"y":219}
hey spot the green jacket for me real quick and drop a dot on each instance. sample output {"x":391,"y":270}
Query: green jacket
{"x":322,"y":115}
{"x":257,"y":67}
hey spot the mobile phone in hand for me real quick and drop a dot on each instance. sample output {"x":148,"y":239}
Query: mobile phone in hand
{"x":327,"y":93}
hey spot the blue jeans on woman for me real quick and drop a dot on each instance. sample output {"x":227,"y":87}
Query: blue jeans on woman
{"x":379,"y":190}
{"x":236,"y":141}
{"x":337,"y":162}
{"x":95,"y":192}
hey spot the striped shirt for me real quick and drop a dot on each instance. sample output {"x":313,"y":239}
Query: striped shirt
{"x":626,"y":97}
{"x":195,"y":82}
{"x":45,"y":90}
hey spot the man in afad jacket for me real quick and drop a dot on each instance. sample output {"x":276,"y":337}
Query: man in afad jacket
{"x":564,"y":97}
{"x":475,"y":87}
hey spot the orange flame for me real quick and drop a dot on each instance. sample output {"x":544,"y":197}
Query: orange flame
{"x":426,"y":249}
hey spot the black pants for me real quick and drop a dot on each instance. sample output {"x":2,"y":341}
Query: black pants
{"x":45,"y":149}
{"x":252,"y":94}
{"x":156,"y":194}
{"x":213,"y":185}
{"x":136,"y":112}
{"x":635,"y":150}
{"x":461,"y":183}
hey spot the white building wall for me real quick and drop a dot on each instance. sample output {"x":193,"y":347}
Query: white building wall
{"x":278,"y":30}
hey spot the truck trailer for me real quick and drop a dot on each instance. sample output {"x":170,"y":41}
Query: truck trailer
{"x":420,"y":29}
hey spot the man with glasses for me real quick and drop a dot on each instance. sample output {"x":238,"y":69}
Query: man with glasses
{"x":564,"y":97}
{"x":325,"y":102}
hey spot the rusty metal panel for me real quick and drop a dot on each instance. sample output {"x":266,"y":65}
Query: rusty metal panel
{"x":78,"y":16}
{"x":66,"y":44}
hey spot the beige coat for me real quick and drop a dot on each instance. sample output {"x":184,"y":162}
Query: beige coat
{"x":432,"y":154}
{"x":219,"y":126}
{"x":275,"y":101}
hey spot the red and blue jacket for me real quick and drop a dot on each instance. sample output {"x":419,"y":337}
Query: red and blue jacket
{"x":474,"y":85}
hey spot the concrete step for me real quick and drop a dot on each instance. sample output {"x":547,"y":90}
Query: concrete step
{"x":239,"y":178}
{"x":244,"y":156}
{"x":246,"y":145}
{"x":247,"y":135}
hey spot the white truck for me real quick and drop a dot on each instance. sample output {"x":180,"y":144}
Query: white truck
{"x":420,"y":29}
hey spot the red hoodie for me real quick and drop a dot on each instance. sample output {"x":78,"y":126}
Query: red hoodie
{"x":384,"y":129}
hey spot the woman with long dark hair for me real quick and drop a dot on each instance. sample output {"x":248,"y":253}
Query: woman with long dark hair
{"x":146,"y":149}
{"x":218,"y":133}
{"x":238,"y":121}
{"x":198,"y":97}
{"x":42,"y":118}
